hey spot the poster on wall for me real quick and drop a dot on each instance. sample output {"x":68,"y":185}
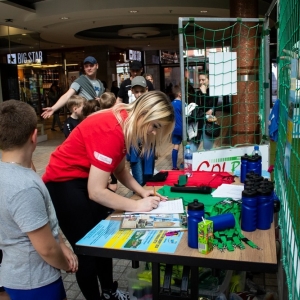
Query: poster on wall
{"x":72,"y":76}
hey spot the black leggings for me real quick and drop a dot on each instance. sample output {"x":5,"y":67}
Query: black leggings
{"x":77,"y":215}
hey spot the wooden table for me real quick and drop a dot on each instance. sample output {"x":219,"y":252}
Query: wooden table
{"x":249,"y":259}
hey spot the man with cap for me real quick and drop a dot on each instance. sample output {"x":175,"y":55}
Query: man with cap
{"x":87,"y":86}
{"x":125,"y":93}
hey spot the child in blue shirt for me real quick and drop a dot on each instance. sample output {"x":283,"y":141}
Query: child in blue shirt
{"x":177,"y":132}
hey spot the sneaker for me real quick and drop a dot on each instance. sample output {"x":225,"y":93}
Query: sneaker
{"x":175,"y":169}
{"x":115,"y":293}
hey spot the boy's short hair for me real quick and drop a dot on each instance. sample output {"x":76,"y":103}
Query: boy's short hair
{"x":90,"y":107}
{"x":75,"y":100}
{"x":107,"y":100}
{"x":18,"y":120}
{"x":176,"y":90}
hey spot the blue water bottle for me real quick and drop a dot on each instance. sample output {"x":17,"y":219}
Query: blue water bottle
{"x":256,"y":153}
{"x":249,"y":210}
{"x":195,"y":214}
{"x":253,"y":165}
{"x":244,"y":163}
{"x":265,"y":209}
{"x":222,"y":222}
{"x":188,"y":162}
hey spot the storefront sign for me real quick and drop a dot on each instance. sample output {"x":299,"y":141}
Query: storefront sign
{"x":32,"y":57}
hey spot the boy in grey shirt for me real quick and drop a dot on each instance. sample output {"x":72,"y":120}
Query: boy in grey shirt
{"x":33,"y":250}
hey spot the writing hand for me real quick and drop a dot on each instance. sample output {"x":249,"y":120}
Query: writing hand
{"x":148,"y":193}
{"x":148,"y":204}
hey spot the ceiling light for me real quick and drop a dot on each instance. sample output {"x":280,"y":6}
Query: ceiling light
{"x":133,"y":11}
{"x":24,"y":33}
{"x":203,"y":11}
{"x":64,"y":18}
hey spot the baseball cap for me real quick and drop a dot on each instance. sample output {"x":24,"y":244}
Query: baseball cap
{"x":138,"y":80}
{"x":90,"y":59}
{"x":135,"y":65}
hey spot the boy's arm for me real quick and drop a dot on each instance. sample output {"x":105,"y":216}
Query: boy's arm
{"x":48,"y":248}
{"x":69,"y":254}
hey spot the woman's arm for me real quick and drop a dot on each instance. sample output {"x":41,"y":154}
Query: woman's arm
{"x":97,"y":189}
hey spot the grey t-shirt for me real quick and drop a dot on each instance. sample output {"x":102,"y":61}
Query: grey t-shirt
{"x":25,"y":205}
{"x":99,"y":90}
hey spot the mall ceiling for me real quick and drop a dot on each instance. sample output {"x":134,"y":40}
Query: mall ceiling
{"x":56,"y":24}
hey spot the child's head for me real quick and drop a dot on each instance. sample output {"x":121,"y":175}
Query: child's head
{"x":90,"y":107}
{"x":18,"y":121}
{"x":138,"y":86}
{"x":75,"y":104}
{"x":107,"y":100}
{"x":176,"y":90}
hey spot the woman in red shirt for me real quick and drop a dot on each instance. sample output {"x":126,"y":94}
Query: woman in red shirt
{"x":79,"y":169}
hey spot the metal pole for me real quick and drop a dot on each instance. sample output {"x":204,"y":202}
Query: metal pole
{"x":221,"y":19}
{"x":267,"y":74}
{"x":272,"y":5}
{"x":181,"y":61}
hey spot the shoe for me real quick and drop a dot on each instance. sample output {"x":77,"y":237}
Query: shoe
{"x":52,"y":129}
{"x":115,"y":293}
{"x":175,"y":169}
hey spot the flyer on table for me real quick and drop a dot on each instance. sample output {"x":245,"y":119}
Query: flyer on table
{"x":107,"y":235}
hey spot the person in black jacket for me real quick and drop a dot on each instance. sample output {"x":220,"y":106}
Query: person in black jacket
{"x":203,"y":113}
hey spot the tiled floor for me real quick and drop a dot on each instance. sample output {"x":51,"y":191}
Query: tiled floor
{"x":121,"y":267}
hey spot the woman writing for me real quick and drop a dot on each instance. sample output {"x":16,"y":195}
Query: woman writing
{"x":79,"y":169}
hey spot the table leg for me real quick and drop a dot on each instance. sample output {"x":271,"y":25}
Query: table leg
{"x":194,"y":282}
{"x":155,"y":280}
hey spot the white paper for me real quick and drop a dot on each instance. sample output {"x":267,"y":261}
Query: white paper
{"x":222,"y":73}
{"x":229,"y":190}
{"x":164,"y":207}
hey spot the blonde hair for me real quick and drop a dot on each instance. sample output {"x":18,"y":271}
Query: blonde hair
{"x":75,"y":100}
{"x":152,"y":106}
{"x":107,"y":100}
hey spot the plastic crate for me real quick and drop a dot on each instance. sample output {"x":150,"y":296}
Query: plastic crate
{"x":221,"y":289}
{"x":137,"y":287}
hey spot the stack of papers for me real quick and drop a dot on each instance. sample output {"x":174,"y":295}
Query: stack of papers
{"x":164,"y":207}
{"x":229,"y":191}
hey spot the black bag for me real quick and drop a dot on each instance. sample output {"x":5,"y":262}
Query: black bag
{"x":161,"y":176}
{"x":212,"y":129}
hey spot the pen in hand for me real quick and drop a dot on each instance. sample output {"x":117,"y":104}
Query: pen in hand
{"x":162,"y":198}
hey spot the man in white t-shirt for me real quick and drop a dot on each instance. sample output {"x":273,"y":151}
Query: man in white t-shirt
{"x":87,"y":86}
